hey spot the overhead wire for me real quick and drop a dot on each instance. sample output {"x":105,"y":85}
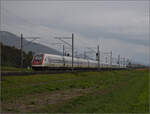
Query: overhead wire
{"x":52,"y":34}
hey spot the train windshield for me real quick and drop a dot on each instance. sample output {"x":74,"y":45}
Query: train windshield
{"x":38,"y":58}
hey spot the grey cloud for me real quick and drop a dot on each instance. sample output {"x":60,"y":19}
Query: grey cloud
{"x":105,"y":32}
{"x":126,"y":22}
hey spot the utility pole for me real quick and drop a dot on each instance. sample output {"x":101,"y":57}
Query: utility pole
{"x":124,"y":62}
{"x":99,"y":59}
{"x":119,"y":60}
{"x":98,"y":56}
{"x":72,"y":49}
{"x":63,"y":50}
{"x":64,"y":54}
{"x":21,"y":42}
{"x":72,"y":46}
{"x":111,"y":58}
{"x":21,"y":50}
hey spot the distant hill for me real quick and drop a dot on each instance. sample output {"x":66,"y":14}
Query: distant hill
{"x":11,"y":39}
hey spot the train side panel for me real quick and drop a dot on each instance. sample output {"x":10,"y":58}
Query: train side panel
{"x":56,"y":61}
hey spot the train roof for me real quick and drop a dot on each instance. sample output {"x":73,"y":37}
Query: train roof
{"x":69,"y":58}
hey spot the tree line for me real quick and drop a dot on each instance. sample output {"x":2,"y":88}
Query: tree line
{"x":11,"y":56}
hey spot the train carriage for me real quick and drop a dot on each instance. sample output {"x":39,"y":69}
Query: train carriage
{"x":50,"y":61}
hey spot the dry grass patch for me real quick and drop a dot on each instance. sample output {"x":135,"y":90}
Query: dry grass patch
{"x":30,"y":102}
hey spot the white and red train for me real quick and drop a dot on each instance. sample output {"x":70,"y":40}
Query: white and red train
{"x":50,"y":61}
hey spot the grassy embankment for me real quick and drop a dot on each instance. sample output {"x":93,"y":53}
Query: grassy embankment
{"x":99,"y":92}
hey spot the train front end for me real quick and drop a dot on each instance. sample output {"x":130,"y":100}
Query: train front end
{"x":37,"y":62}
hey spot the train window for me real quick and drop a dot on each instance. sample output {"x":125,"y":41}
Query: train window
{"x":38,"y":58}
{"x":56,"y":61}
{"x":46,"y":59}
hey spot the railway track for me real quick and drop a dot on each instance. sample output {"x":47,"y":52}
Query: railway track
{"x":30,"y":73}
{"x":19,"y":73}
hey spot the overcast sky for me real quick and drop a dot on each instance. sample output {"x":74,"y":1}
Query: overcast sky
{"x":116,"y":25}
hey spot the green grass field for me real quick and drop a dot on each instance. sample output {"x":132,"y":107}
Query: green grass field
{"x":14,"y":69}
{"x":86,"y":92}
